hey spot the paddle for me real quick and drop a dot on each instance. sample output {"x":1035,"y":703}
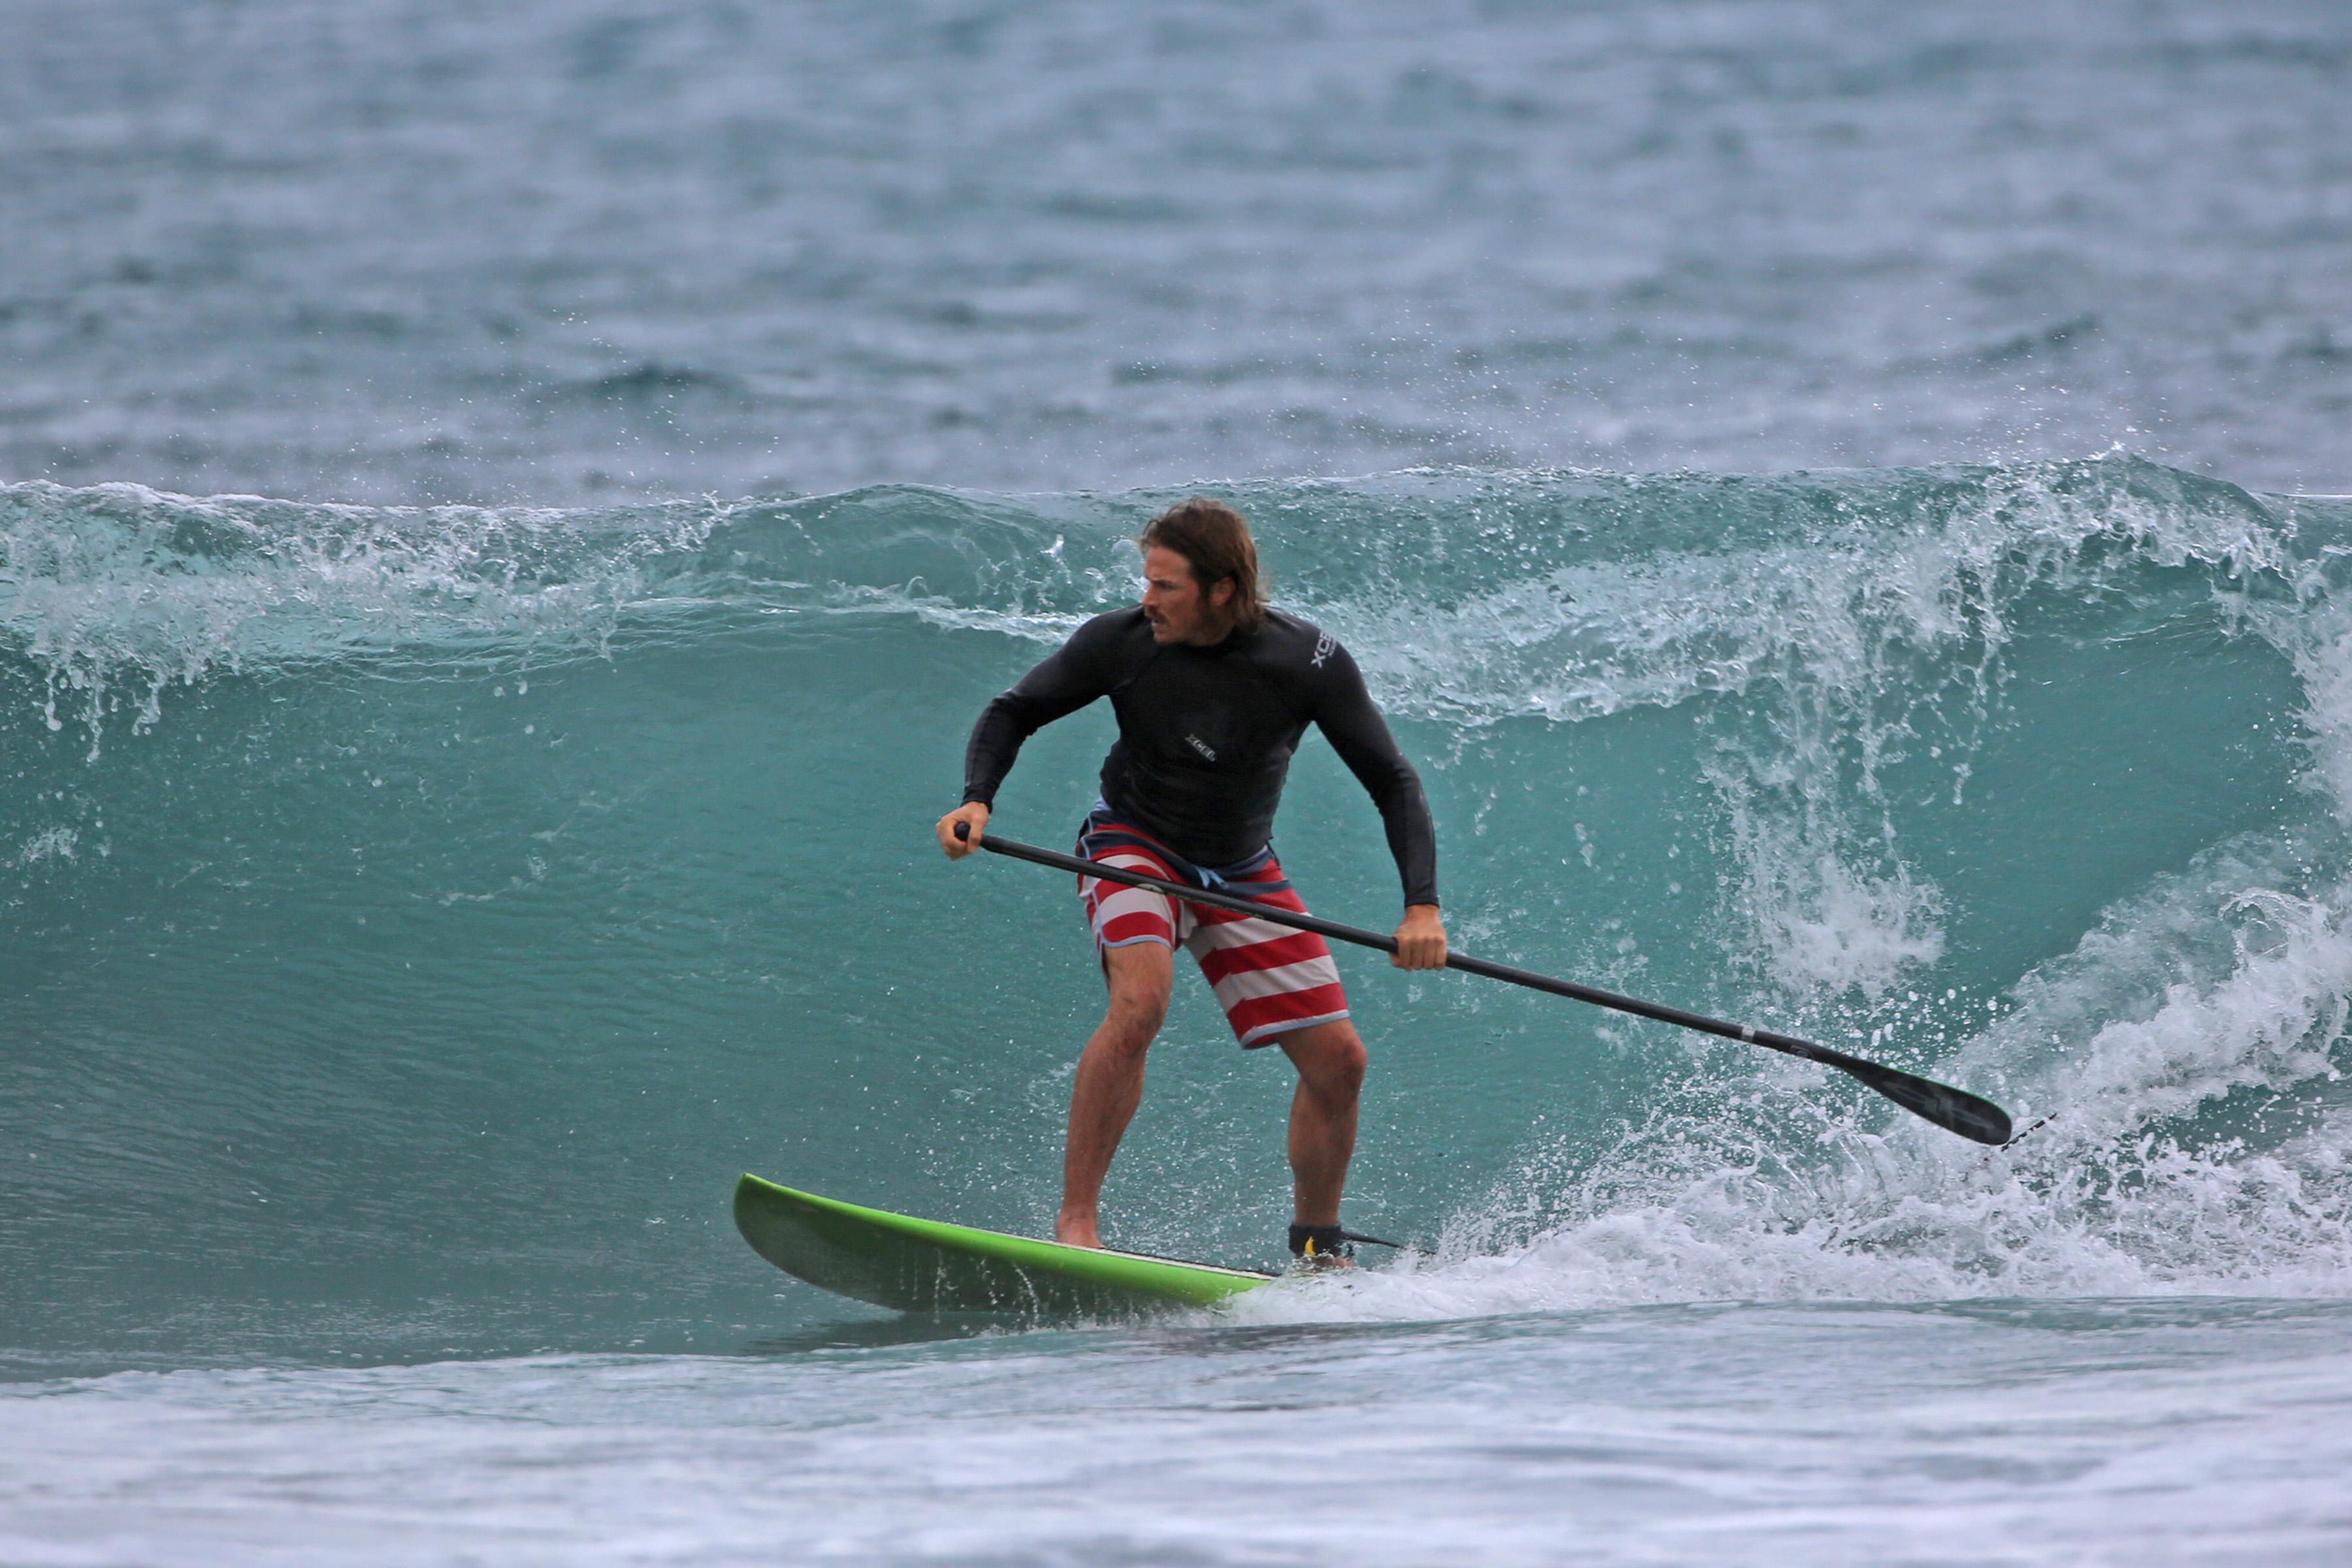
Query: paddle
{"x":1954,"y":1109}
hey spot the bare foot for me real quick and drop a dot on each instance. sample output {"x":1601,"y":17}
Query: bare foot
{"x":1076,"y":1230}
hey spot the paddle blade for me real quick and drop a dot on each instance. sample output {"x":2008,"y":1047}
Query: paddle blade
{"x":1970,"y":1115}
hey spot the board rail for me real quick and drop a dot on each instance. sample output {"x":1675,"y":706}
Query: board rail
{"x":913,"y":1264}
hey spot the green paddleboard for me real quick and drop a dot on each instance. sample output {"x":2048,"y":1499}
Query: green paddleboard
{"x":924,"y":1266}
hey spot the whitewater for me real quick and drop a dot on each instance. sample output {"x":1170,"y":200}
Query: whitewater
{"x":508,"y":515}
{"x":424,"y":913}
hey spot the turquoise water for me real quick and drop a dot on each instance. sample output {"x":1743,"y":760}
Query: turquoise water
{"x":417,"y":918}
{"x":508,"y":515}
{"x":386,"y":880}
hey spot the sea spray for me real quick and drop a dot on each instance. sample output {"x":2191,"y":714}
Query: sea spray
{"x":416,"y":917}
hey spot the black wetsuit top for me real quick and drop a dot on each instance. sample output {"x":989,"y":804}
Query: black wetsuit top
{"x":1205,"y":735}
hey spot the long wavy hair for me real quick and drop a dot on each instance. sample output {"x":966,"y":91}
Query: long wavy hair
{"x":1214,"y":541}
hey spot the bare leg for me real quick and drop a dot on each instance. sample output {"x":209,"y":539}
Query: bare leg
{"x":1110,"y":1081}
{"x":1330,"y":1062}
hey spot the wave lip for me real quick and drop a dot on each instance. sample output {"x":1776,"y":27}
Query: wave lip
{"x":1485,"y":581}
{"x":2036,"y":780}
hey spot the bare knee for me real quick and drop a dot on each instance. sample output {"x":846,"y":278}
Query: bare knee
{"x":1330,"y":1060}
{"x":1141,"y":978}
{"x":1133,"y":1020}
{"x":1343,"y":1073}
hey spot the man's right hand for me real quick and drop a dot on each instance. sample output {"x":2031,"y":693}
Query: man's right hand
{"x":971,"y":813}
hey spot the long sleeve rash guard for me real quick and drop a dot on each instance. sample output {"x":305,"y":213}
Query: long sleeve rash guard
{"x":1206,"y":734}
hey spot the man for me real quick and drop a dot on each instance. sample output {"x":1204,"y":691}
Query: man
{"x":1213,"y":689}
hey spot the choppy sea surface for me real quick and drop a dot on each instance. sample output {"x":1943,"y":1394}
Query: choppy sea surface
{"x":507,"y":515}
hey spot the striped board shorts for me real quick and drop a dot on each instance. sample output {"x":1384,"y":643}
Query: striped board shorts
{"x":1268,"y":978}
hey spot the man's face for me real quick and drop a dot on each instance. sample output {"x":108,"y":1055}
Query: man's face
{"x":1175,"y":605}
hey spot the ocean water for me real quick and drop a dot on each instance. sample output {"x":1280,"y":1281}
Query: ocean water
{"x":507,"y":516}
{"x":558,"y":251}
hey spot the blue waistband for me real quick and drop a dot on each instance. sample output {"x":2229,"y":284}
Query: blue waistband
{"x":1103,"y":831}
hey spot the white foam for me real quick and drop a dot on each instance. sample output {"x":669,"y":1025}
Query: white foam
{"x":59,"y":843}
{"x":2183,"y":1053}
{"x":121,"y":591}
{"x":2202,"y":990}
{"x":2217,"y":992}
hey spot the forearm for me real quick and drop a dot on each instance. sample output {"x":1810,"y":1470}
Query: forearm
{"x":1412,"y":840}
{"x":995,"y":742}
{"x":1360,"y":736}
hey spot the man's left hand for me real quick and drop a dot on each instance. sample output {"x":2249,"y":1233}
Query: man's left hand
{"x":1421,"y":940}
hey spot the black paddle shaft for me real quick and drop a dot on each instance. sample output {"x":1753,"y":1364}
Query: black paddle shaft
{"x":1955,"y":1109}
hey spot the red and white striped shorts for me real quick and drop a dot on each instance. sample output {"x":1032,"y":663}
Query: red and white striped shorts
{"x":1268,"y":978}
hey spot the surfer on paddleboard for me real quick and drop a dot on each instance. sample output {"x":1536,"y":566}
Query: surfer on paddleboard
{"x":1212,"y":689}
